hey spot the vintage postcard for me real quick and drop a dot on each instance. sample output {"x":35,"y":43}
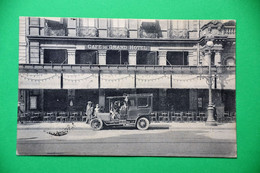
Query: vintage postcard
{"x":127,"y":87}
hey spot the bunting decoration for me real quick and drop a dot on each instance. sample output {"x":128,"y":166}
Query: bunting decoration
{"x":117,"y":80}
{"x":185,"y":80}
{"x":153,"y":81}
{"x":37,"y":77}
{"x":188,"y":81}
{"x":80,"y":81}
{"x":39,"y":80}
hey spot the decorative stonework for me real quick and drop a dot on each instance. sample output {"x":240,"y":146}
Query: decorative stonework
{"x":214,"y":27}
{"x":49,"y":31}
{"x":87,"y":32}
{"x":179,"y":34}
{"x":119,"y":32}
{"x":144,"y":34}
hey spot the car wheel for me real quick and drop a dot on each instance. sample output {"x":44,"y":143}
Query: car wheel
{"x":142,"y":123}
{"x":96,"y":124}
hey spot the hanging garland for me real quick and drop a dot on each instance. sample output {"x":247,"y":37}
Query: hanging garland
{"x":29,"y":77}
{"x":151,"y":80}
{"x":118,"y":79}
{"x":78,"y":80}
{"x":185,"y":80}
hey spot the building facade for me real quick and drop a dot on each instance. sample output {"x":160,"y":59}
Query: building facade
{"x":66,"y":62}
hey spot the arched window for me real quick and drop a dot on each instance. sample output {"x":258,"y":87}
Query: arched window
{"x":230,"y":61}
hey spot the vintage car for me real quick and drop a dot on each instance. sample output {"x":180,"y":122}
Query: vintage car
{"x":128,"y":110}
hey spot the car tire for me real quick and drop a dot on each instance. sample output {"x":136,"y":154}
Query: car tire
{"x":142,"y":123}
{"x":96,"y":124}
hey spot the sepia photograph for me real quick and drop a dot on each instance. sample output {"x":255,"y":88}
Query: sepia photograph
{"x":127,"y":87}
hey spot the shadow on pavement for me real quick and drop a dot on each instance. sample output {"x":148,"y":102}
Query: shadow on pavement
{"x":162,"y":127}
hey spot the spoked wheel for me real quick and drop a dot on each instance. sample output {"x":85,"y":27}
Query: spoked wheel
{"x":142,"y":123}
{"x":96,"y":124}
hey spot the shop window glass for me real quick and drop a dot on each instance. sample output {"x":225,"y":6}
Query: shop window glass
{"x":177,"y":58}
{"x":117,"y":57}
{"x":55,"y":56}
{"x":86,"y":56}
{"x":33,"y":102}
{"x":147,"y":58}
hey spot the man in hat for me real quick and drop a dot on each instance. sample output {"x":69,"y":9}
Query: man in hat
{"x":89,"y":111}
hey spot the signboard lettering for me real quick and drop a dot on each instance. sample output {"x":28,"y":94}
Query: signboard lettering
{"x":116,"y":47}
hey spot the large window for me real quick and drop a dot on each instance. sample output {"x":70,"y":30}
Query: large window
{"x":88,"y":22}
{"x":86,"y":56}
{"x":147,"y":58}
{"x":118,"y":22}
{"x":117,"y":57}
{"x":177,"y":58}
{"x":179,"y":24}
{"x":56,"y":26}
{"x":33,"y":102}
{"x":55,"y":56}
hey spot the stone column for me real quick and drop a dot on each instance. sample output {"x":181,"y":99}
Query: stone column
{"x":71,"y":56}
{"x":132,"y":57}
{"x":217,"y":58}
{"x":41,"y":56}
{"x":162,"y":58}
{"x":192,"y":58}
{"x":102,"y":57}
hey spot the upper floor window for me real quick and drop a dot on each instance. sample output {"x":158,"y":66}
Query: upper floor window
{"x":55,"y":26}
{"x":179,"y":24}
{"x":150,"y":29}
{"x":118,"y":23}
{"x":88,"y":22}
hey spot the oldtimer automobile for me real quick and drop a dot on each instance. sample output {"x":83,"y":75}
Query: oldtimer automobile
{"x":128,"y":110}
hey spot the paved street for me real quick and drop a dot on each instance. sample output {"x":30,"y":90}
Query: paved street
{"x":161,"y":139}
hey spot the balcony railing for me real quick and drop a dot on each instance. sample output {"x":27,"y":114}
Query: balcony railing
{"x":179,"y":34}
{"x":144,"y":34}
{"x":229,"y":30}
{"x":119,"y":32}
{"x":50,"y":31}
{"x":127,"y":68}
{"x":87,"y":32}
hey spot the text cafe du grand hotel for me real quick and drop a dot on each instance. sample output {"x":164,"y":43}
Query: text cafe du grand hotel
{"x":66,"y":62}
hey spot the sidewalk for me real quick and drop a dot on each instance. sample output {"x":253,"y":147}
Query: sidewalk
{"x":171,"y":125}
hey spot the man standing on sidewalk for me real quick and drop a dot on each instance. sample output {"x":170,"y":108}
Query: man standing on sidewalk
{"x":89,"y":111}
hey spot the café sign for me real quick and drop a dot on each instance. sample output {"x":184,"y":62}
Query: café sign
{"x":116,"y":47}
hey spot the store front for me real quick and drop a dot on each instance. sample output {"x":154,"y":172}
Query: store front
{"x":179,"y":100}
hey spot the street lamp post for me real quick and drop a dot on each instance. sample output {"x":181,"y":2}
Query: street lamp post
{"x":208,"y":51}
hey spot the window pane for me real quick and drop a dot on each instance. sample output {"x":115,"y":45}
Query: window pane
{"x":91,"y":22}
{"x":33,"y":102}
{"x":88,"y":22}
{"x":118,"y":22}
{"x":131,"y":102}
{"x":177,"y":58}
{"x":142,"y":102}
